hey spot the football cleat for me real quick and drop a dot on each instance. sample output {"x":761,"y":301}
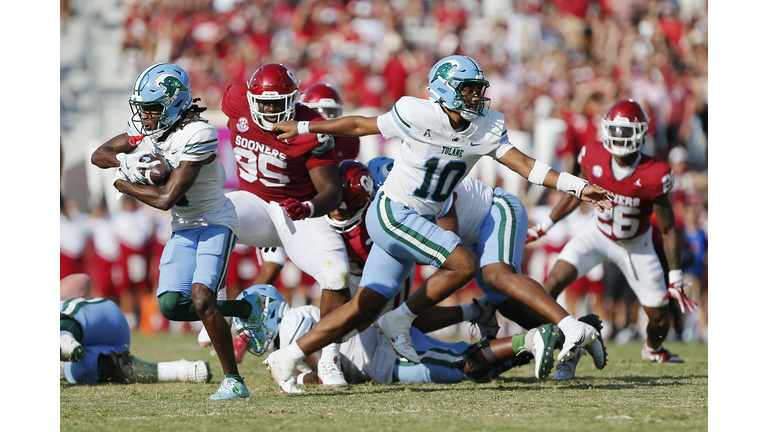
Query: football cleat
{"x":544,"y":340}
{"x":70,"y":350}
{"x":282,"y":366}
{"x":398,"y":334}
{"x":567,"y":369}
{"x":597,"y":348}
{"x":231,"y":389}
{"x":576,"y":338}
{"x":659,"y":355}
{"x":487,"y":322}
{"x":330,"y":373}
{"x":199,"y":372}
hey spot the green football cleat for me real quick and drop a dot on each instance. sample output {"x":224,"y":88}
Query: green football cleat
{"x":544,"y":340}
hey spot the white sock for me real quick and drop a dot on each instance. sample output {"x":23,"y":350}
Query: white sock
{"x":568,"y":323}
{"x":63,"y":333}
{"x":405,"y":313}
{"x":528,"y":346}
{"x":470,"y":312}
{"x":175,"y":371}
{"x":296,"y":352}
{"x":330,"y":351}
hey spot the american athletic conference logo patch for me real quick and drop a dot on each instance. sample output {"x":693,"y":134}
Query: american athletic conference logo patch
{"x":597,"y":171}
{"x":242,"y":124}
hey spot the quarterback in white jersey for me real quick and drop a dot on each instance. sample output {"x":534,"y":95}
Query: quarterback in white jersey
{"x":442,"y":139}
{"x":204,"y":225}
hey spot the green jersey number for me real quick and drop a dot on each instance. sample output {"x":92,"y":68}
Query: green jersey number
{"x":453,"y":171}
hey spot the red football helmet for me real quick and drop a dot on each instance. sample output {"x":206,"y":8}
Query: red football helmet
{"x":324,"y":99}
{"x":270,"y":83}
{"x":624,"y":127}
{"x":357,"y":185}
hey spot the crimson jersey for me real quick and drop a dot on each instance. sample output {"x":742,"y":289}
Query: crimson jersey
{"x":346,"y":148}
{"x":269,"y":168}
{"x":358,"y":244}
{"x":633,"y":195}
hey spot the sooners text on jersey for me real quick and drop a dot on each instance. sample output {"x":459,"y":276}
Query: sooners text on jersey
{"x":633,"y":196}
{"x":269,"y":168}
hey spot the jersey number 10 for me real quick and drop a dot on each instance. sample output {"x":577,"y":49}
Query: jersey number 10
{"x":453,"y":170}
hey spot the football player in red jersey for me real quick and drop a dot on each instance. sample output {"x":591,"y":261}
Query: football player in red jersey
{"x":622,"y":235}
{"x":286,"y":186}
{"x":326,"y":101}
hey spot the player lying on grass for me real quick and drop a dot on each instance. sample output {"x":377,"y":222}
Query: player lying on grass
{"x":368,"y":356}
{"x":95,"y":341}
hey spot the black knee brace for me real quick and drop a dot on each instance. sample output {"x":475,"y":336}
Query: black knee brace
{"x":116,"y":368}
{"x":471,"y":358}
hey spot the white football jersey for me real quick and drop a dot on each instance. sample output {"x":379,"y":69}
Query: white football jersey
{"x":367,"y":356}
{"x":204,"y":203}
{"x":433,"y":157}
{"x":473,"y":203}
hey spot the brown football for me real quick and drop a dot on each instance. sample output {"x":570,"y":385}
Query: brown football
{"x":160,"y":171}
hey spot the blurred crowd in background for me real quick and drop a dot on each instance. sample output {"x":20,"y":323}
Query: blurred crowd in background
{"x":554,"y":68}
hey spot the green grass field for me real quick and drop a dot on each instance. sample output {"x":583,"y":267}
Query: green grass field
{"x":630,"y":394}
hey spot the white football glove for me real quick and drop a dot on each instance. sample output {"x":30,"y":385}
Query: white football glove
{"x":132,"y":168}
{"x":118,"y":176}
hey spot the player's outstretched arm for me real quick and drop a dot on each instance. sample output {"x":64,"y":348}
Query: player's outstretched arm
{"x":542,"y":174}
{"x":163,"y":198}
{"x":344,"y":126}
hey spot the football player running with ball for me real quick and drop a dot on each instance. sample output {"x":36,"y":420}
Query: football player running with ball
{"x":442,"y":139}
{"x":622,"y":235}
{"x":204,"y":226}
{"x":287,"y":186}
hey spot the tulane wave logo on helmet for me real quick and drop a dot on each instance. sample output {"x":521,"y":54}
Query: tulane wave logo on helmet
{"x":170,"y":85}
{"x":445,"y":71}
